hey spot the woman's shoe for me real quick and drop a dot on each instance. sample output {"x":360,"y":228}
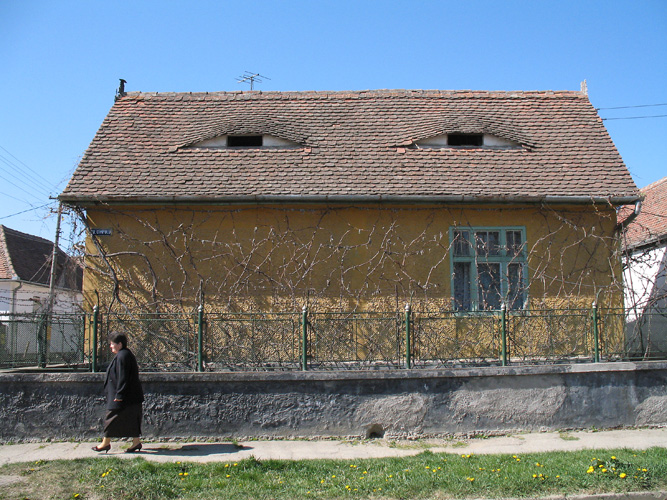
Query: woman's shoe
{"x":102,"y":448}
{"x":133,"y":449}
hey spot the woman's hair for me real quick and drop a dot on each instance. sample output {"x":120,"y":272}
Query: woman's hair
{"x":118,"y":338}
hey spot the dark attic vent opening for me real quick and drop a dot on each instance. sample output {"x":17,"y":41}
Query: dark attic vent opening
{"x":244,"y":141}
{"x":465,"y":139}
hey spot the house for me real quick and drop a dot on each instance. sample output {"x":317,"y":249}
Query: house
{"x":644,"y":273}
{"x":25,"y":273}
{"x":359,"y":200}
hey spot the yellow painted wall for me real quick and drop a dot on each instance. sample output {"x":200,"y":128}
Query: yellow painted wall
{"x":335,"y":258}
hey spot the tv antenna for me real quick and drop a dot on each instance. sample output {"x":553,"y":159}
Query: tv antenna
{"x":252,"y":78}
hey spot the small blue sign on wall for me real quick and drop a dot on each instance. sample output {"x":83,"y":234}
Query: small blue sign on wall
{"x":100,"y":232}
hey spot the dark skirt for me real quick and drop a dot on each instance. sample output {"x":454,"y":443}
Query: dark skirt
{"x":123,"y":423}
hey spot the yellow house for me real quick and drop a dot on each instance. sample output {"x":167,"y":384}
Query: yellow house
{"x":364,"y":200}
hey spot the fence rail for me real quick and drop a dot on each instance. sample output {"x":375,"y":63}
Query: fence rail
{"x":308,"y":340}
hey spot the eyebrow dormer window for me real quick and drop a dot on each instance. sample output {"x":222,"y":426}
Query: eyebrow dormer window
{"x":466,"y":140}
{"x":244,"y":141}
{"x":471,"y":140}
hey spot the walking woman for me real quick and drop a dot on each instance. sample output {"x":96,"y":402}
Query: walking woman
{"x":124,"y":397}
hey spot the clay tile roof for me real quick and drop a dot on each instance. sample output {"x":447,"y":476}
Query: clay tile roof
{"x":28,"y":258}
{"x":650,"y":226}
{"x":351,"y":144}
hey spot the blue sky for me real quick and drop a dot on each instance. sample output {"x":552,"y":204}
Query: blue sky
{"x":61,"y":61}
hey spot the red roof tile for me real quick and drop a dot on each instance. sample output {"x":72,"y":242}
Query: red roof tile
{"x":351,"y":144}
{"x":650,"y":225}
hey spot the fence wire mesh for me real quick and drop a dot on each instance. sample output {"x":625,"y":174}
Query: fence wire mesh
{"x":165,"y":342}
{"x":252,"y":341}
{"x":455,"y":338}
{"x":550,"y":336}
{"x":40,"y":340}
{"x":355,"y":340}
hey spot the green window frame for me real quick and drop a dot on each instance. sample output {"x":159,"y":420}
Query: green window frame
{"x":488,"y":267}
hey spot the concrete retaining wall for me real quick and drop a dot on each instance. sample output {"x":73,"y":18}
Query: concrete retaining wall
{"x":353,"y":403}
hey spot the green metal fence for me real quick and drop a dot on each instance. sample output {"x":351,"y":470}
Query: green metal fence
{"x":308,"y":340}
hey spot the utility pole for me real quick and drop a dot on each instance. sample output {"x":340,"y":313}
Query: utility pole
{"x":47,"y":316}
{"x":54,"y":261}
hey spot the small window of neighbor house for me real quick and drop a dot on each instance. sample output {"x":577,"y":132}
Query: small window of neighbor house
{"x":465,"y":139}
{"x":244,"y":141}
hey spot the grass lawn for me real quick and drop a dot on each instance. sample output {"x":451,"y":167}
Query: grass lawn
{"x":425,"y":476}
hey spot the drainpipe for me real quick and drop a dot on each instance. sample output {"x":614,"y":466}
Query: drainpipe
{"x":638,"y":209}
{"x":16,"y":280}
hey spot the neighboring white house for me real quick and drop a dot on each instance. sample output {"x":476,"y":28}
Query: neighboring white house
{"x":645,"y":269}
{"x":25,"y":272}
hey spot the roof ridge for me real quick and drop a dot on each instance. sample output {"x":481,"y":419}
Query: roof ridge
{"x":26,"y":235}
{"x":365,"y":93}
{"x":654,"y":184}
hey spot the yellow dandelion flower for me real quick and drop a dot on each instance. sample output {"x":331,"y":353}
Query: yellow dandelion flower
{"x":622,"y":475}
{"x":613,"y":457}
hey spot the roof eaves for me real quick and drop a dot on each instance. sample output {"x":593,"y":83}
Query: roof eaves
{"x":300,"y":199}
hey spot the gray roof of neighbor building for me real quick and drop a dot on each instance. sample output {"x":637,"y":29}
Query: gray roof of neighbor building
{"x":360,"y":145}
{"x":28,"y":258}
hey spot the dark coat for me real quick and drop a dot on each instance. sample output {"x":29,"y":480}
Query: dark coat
{"x":122,"y":381}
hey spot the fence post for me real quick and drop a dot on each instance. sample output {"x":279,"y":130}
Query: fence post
{"x":408,"y":347}
{"x":93,"y":367}
{"x":596,"y":334}
{"x":304,"y":338}
{"x":503,"y":334}
{"x":200,"y":339}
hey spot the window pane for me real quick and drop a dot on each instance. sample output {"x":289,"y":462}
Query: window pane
{"x":514,"y":243}
{"x":461,"y":243}
{"x":515,"y":294}
{"x":462,"y":286}
{"x":487,"y":242}
{"x":488,"y":277}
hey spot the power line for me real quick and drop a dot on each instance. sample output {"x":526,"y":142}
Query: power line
{"x":36,"y":177}
{"x":638,"y":106}
{"x":24,"y":211}
{"x":635,"y":117}
{"x":25,"y":177}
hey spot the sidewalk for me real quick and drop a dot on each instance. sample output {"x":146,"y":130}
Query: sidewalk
{"x":638,"y":439}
